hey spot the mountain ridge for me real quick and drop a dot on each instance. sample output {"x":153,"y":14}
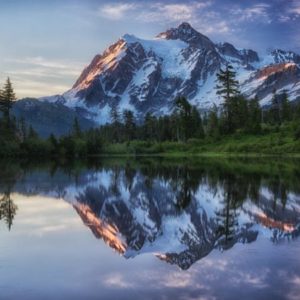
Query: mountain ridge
{"x":145,"y":76}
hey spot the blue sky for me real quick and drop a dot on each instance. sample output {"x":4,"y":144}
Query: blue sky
{"x":45,"y":44}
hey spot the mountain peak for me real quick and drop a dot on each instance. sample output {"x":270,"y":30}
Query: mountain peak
{"x":129,"y":38}
{"x":281,"y":56}
{"x":185,"y":26}
{"x":188,"y":34}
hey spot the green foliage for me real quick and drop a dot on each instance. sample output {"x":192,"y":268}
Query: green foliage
{"x":213,"y":124}
{"x":76,"y":129}
{"x":183,"y":111}
{"x":129,"y":125}
{"x":7,"y":97}
{"x":228,"y":88}
{"x":297,"y":132}
{"x":227,"y":84}
{"x":254,"y":117}
{"x":240,"y":127}
{"x":286,"y":112}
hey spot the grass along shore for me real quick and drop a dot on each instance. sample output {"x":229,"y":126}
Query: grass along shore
{"x":238,"y":144}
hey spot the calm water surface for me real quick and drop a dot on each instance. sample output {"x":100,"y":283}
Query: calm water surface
{"x":151,"y":229}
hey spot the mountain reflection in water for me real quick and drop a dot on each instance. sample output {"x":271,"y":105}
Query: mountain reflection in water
{"x":180,"y":211}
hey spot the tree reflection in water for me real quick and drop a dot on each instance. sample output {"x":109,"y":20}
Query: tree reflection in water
{"x":8,"y":209}
{"x":137,"y":204}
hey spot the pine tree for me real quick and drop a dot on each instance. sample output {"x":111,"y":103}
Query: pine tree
{"x":241,"y":113}
{"x":213,"y":123}
{"x":23,"y":129}
{"x":228,"y":88}
{"x":196,"y":127}
{"x":183,"y":108}
{"x":115,"y":123}
{"x":94,"y":142}
{"x":254,"y":116}
{"x":129,"y":124}
{"x":2,"y":101}
{"x":114,"y":115}
{"x":76,"y":130}
{"x":32,"y":134}
{"x":149,"y":129}
{"x":285,"y":108}
{"x":7,"y":97}
{"x":275,"y":110}
{"x":54,"y":144}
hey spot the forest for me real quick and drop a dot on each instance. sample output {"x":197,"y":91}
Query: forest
{"x":240,"y":125}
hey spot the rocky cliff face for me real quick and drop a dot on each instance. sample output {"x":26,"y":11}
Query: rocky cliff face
{"x":146,"y":75}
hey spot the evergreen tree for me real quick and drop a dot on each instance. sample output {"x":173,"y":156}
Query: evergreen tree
{"x":23,"y":129}
{"x":196,"y":127}
{"x":7,"y":97}
{"x":213,"y":123}
{"x":296,"y":112}
{"x":165,"y":128}
{"x":129,"y":124}
{"x":149,"y":127}
{"x":2,"y":102}
{"x":254,"y":116}
{"x":243,"y":112}
{"x":32,"y":134}
{"x":94,"y":142}
{"x":114,"y":115}
{"x":285,"y":108}
{"x":76,"y":130}
{"x":115,"y":123}
{"x":296,"y":122}
{"x":228,"y":88}
{"x":183,"y":108}
{"x":54,"y":144}
{"x":275,"y":117}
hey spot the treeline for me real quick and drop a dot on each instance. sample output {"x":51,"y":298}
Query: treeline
{"x":237,"y":115}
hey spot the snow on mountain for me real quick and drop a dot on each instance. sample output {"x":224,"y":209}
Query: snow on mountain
{"x":146,"y":75}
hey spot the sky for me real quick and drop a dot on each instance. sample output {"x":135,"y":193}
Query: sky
{"x":45,"y":44}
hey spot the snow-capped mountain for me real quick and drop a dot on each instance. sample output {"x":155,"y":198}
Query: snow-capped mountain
{"x":146,"y":75}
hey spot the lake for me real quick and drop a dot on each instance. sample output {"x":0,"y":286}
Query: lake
{"x":150,"y":228}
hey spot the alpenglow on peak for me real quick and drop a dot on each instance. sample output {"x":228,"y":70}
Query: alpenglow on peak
{"x":146,"y":75}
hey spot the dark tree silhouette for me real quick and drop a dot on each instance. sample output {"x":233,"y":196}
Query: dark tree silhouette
{"x":7,"y":97}
{"x":7,"y":209}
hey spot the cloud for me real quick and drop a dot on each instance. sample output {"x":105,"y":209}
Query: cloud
{"x":39,"y":76}
{"x":295,"y":9}
{"x":284,"y":18}
{"x":254,"y":13}
{"x":117,"y":280}
{"x":40,"y":61}
{"x":173,"y":12}
{"x":116,"y":11}
{"x":153,"y":12}
{"x":33,"y":88}
{"x":169,"y":12}
{"x":219,"y":27}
